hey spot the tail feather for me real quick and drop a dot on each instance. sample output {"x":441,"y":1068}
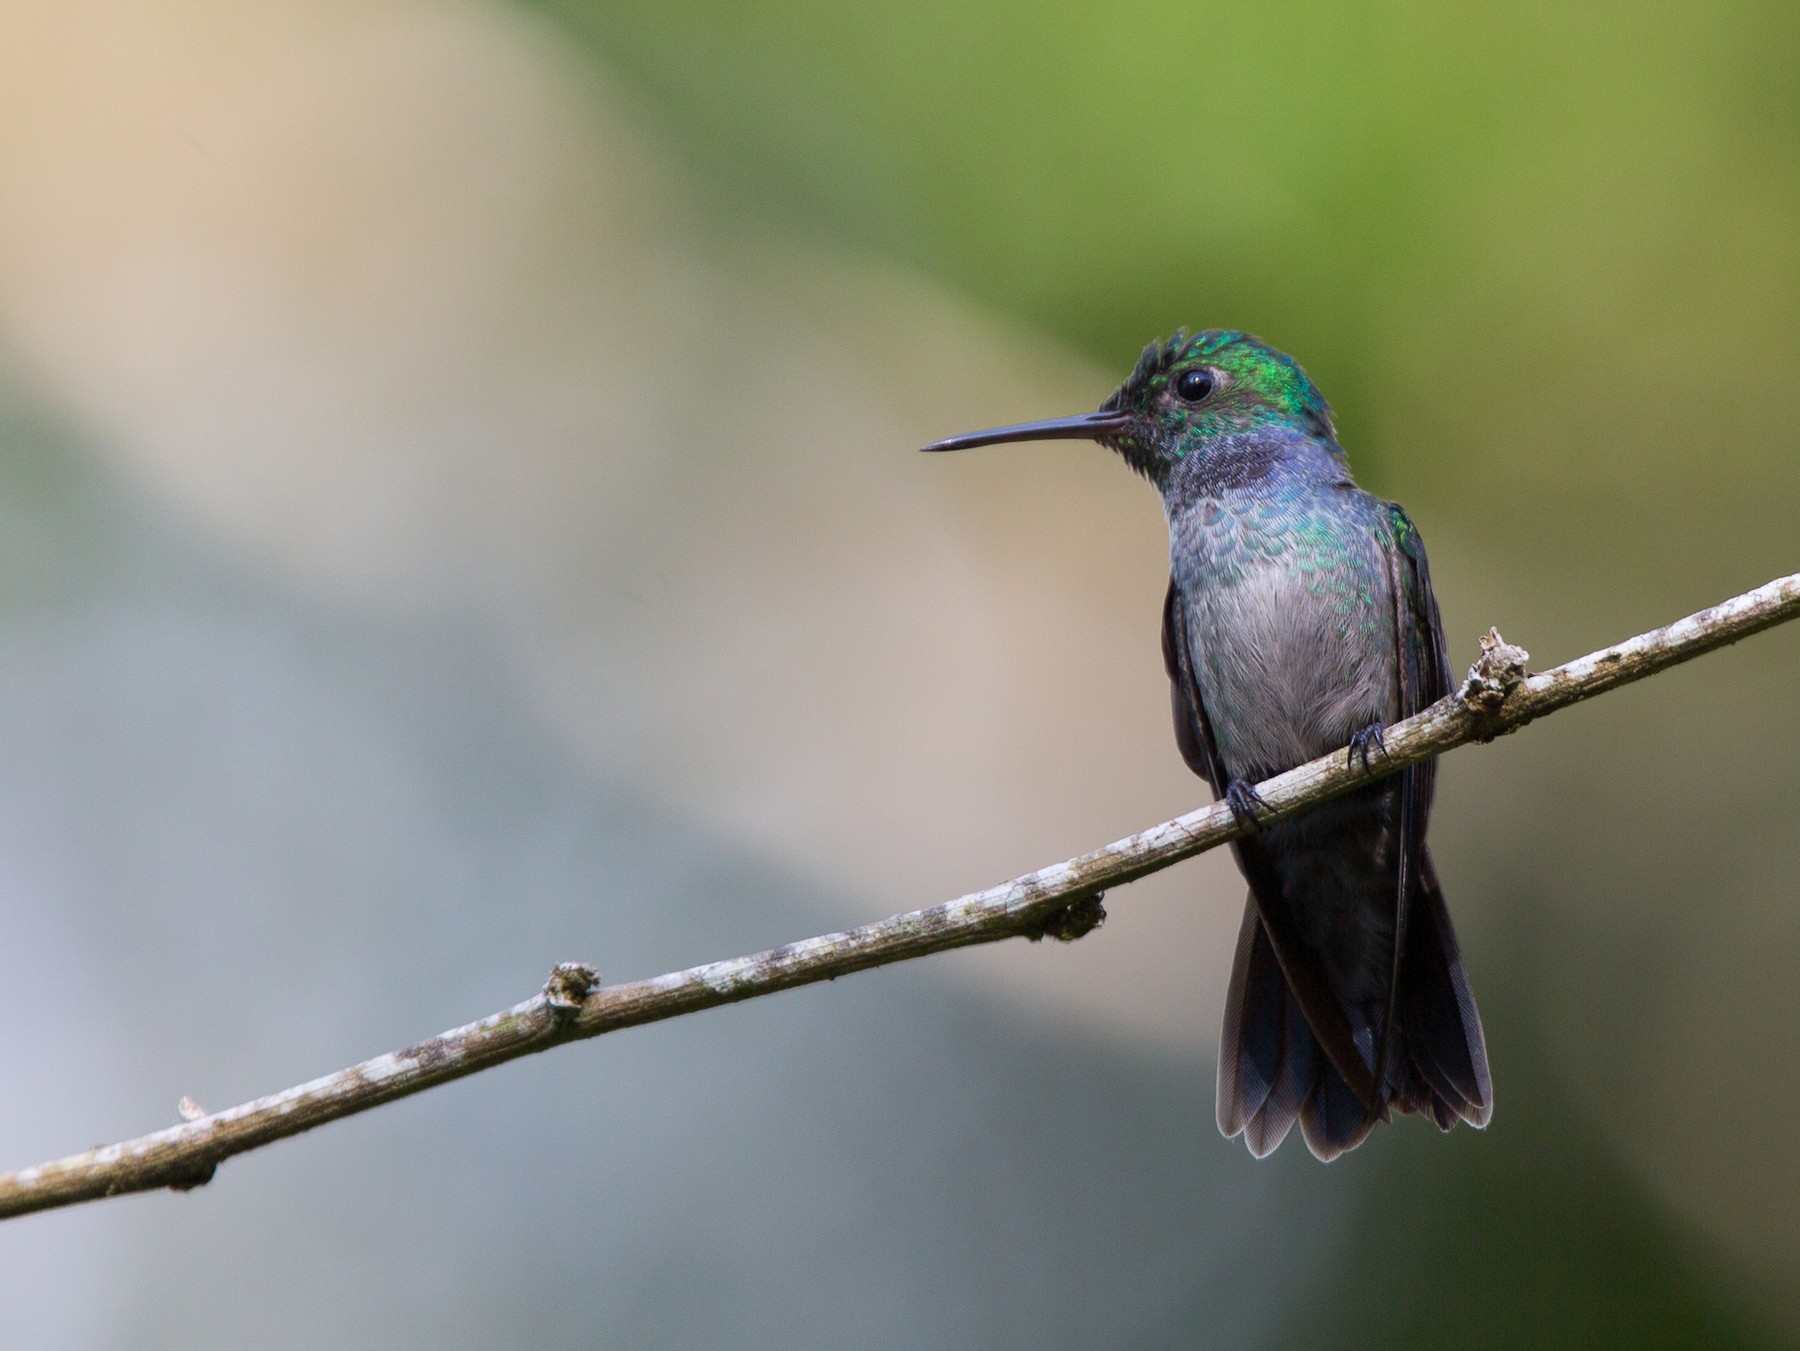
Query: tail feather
{"x":1255,"y":1026}
{"x":1437,"y":1010}
{"x":1334,"y":1120}
{"x":1270,"y":1126}
{"x":1263,"y":1086}
{"x":1272,"y":1070}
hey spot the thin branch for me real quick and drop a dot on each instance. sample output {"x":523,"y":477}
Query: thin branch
{"x":1061,"y":901}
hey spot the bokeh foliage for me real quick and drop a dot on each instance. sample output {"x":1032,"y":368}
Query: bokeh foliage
{"x":1532,"y":199}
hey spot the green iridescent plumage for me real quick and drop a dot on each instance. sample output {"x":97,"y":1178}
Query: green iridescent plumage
{"x":1260,"y":387}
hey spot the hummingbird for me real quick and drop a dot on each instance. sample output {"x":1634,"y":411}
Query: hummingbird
{"x":1299,"y":621}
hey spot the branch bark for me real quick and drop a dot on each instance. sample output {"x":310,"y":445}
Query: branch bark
{"x":1060,"y":901}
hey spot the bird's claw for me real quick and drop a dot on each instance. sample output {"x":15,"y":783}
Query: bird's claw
{"x":1243,"y":799}
{"x":1362,"y":743}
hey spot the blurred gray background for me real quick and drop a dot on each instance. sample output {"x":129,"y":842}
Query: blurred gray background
{"x":459,"y":512}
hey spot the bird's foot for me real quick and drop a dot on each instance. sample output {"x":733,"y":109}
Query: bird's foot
{"x":1243,"y":799}
{"x":1363,"y":743}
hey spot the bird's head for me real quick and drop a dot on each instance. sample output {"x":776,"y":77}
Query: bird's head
{"x":1214,"y":390}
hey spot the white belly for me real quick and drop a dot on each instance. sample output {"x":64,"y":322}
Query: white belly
{"x":1291,"y":662}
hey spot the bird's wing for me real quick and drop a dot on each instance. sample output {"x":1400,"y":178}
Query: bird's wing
{"x":1193,"y":733}
{"x":1304,"y":971}
{"x":1419,"y":654}
{"x":1422,"y":672}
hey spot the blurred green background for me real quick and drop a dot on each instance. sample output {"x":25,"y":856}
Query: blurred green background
{"x":460,"y":514}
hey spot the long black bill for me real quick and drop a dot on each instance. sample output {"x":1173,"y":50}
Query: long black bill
{"x":1086,"y":427}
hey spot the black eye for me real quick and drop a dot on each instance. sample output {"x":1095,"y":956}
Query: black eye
{"x":1193,"y":386}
